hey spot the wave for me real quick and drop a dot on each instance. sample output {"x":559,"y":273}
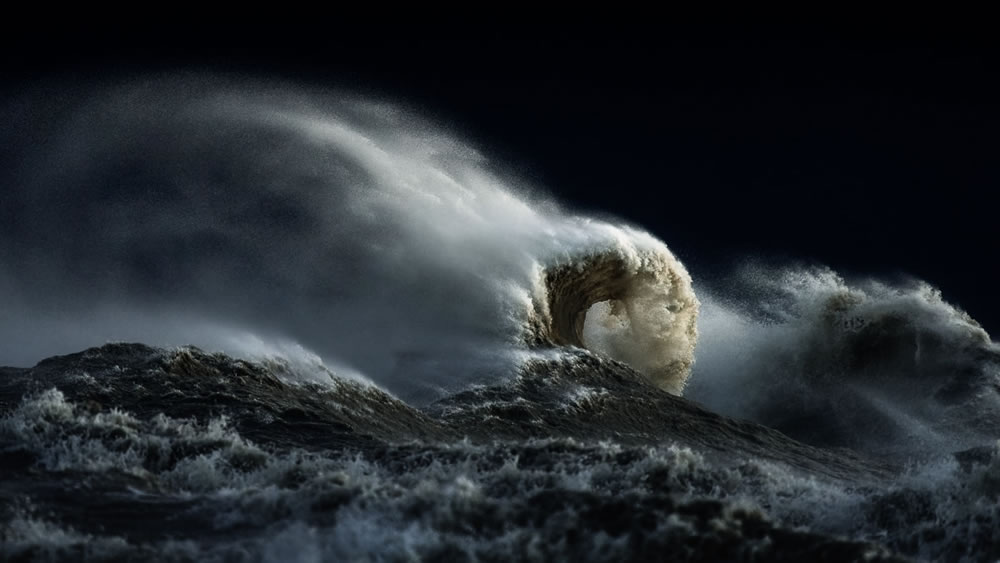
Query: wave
{"x":445,"y":364}
{"x":864,"y":364}
{"x":353,"y":236}
{"x":350,"y":236}
{"x":222,"y":213}
{"x":208,"y":455}
{"x":638,"y":308}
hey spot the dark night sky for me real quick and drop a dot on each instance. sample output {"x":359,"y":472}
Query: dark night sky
{"x":863,"y":150}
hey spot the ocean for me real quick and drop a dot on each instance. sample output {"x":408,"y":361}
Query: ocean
{"x":272,"y":323}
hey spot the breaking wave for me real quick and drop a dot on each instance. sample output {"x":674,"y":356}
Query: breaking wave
{"x":638,"y":308}
{"x":222,"y":214}
{"x":862,"y":364}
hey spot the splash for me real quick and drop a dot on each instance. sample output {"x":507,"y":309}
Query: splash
{"x":864,"y":364}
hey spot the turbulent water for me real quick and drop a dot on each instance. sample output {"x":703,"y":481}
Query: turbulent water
{"x":404,"y":354}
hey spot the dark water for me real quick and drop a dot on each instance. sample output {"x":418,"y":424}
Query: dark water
{"x":127,"y":452}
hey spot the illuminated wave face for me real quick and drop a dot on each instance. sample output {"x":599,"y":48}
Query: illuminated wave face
{"x":250,"y":217}
{"x":635,"y":305}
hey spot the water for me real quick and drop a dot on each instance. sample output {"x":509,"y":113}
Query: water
{"x":403,"y":355}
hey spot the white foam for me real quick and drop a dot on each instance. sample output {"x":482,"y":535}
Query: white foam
{"x":416,"y":502}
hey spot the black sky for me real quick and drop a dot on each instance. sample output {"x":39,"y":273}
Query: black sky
{"x":870,"y":151}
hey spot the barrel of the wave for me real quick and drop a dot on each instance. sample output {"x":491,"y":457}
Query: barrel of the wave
{"x":634,"y":304}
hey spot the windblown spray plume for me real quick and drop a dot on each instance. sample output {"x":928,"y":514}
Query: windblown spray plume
{"x":176,"y":213}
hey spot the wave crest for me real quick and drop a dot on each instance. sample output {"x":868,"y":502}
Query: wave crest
{"x":637,"y":307}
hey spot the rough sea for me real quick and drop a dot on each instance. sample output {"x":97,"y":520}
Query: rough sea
{"x":259,"y":322}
